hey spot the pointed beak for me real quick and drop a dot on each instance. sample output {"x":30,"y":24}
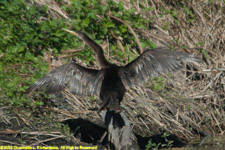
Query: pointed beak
{"x":71,"y":32}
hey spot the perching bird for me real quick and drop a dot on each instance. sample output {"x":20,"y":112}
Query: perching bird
{"x":111,"y":81}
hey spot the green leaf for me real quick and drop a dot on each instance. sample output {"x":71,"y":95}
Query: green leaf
{"x":86,"y":22}
{"x":151,"y":44}
{"x":123,"y":28}
{"x":203,"y":51}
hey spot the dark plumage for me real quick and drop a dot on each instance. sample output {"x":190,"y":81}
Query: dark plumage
{"x":111,"y":82}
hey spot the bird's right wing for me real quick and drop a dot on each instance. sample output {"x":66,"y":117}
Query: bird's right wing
{"x":152,"y":63}
{"x":79,"y":80}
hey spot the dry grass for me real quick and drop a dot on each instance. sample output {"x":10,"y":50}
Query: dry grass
{"x":192,"y":101}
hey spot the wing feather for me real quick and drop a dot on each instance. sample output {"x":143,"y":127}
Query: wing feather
{"x":79,"y":80}
{"x":152,"y":63}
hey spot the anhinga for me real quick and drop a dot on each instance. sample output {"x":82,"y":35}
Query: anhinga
{"x":111,"y":81}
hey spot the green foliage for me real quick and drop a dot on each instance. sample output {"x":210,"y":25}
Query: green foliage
{"x":179,"y":8}
{"x":158,"y":83}
{"x":92,"y":18}
{"x":25,"y":39}
{"x":169,"y":143}
{"x":152,"y":146}
{"x":156,"y":146}
{"x":190,"y":16}
{"x":203,"y":51}
{"x":28,"y":33}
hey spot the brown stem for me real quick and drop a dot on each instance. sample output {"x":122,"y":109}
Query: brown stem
{"x":132,"y":31}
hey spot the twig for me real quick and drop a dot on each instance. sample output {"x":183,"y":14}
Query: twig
{"x":9,"y":131}
{"x":120,"y":44}
{"x":62,"y":112}
{"x":217,"y":122}
{"x":202,"y":96}
{"x":155,"y":36}
{"x":160,"y":29}
{"x":74,"y":50}
{"x":211,"y":82}
{"x":9,"y":142}
{"x":213,"y":69}
{"x":43,"y":141}
{"x":107,"y":45}
{"x":54,"y":134}
{"x":132,"y":31}
{"x":24,"y":120}
{"x":67,"y":93}
{"x":53,"y":6}
{"x":49,"y":60}
{"x":2,"y":116}
{"x":102,"y":138}
{"x":1,"y":55}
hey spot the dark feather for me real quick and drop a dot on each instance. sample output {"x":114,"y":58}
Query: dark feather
{"x":152,"y":63}
{"x":79,"y":80}
{"x":110,"y":83}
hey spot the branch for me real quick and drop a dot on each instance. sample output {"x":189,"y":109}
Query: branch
{"x":132,"y":31}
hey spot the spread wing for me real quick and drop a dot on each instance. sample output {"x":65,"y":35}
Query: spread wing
{"x":152,"y":63}
{"x":79,"y":80}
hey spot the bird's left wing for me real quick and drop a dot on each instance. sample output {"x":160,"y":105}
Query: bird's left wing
{"x":78,"y":79}
{"x":152,"y":63}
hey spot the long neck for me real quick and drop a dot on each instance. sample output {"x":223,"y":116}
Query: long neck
{"x":98,"y":51}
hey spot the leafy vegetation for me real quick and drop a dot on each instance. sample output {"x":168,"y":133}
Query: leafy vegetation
{"x":28,"y":33}
{"x":158,"y":83}
{"x":26,"y":38}
{"x":155,"y":146}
